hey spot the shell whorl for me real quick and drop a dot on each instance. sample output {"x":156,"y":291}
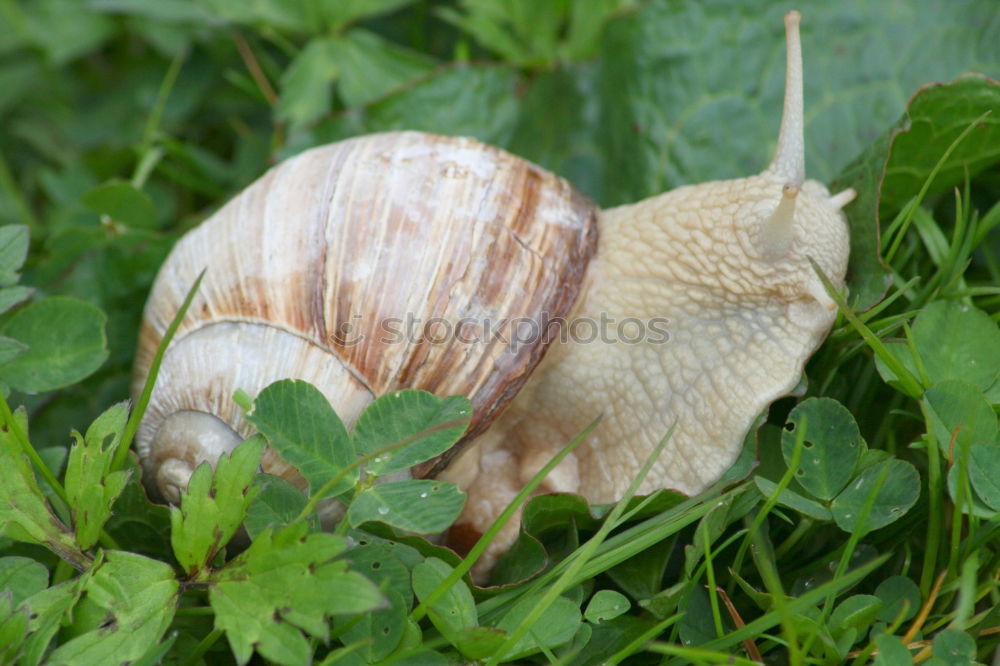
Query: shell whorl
{"x":316,"y":270}
{"x":187,"y":438}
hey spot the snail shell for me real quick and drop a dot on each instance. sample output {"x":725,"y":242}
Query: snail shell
{"x":317,"y":270}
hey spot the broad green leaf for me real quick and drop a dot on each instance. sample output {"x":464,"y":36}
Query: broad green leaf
{"x":377,"y":561}
{"x":831,"y":447}
{"x":793,"y":500}
{"x":428,"y":424}
{"x":935,"y":116}
{"x":91,"y":486}
{"x":955,"y":648}
{"x":606,"y":605}
{"x":213,"y":506}
{"x":954,"y":341}
{"x":960,"y":416}
{"x":984,"y":472}
{"x":65,"y":339}
{"x":893,"y":169}
{"x":452,"y":612}
{"x":669,"y":100}
{"x":276,"y":505}
{"x":123,"y":202}
{"x":380,"y":630}
{"x":139,"y":596}
{"x":371,"y":66}
{"x":13,"y":250}
{"x":900,"y":598}
{"x":898,"y":493}
{"x":25,"y":515}
{"x":299,"y":423}
{"x":251,"y":594}
{"x":557,"y":626}
{"x":22,"y":577}
{"x":424,"y":507}
{"x":306,"y":83}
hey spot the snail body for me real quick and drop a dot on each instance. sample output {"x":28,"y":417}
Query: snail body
{"x":408,"y":226}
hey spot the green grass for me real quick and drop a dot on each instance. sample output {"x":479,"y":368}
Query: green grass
{"x":869,"y":530}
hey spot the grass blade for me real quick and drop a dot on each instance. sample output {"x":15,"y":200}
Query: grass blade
{"x":140,"y":407}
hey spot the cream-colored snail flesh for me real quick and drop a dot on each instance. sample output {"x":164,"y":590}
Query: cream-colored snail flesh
{"x":309,"y":263}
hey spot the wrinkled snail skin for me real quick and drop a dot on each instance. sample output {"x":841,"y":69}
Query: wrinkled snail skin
{"x":412,"y":224}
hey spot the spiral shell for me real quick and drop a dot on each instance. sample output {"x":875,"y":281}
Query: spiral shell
{"x":316,"y":270}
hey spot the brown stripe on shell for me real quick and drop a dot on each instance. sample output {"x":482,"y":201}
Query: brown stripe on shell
{"x":525,"y":204}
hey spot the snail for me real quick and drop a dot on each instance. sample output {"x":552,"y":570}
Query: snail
{"x":396,"y":260}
